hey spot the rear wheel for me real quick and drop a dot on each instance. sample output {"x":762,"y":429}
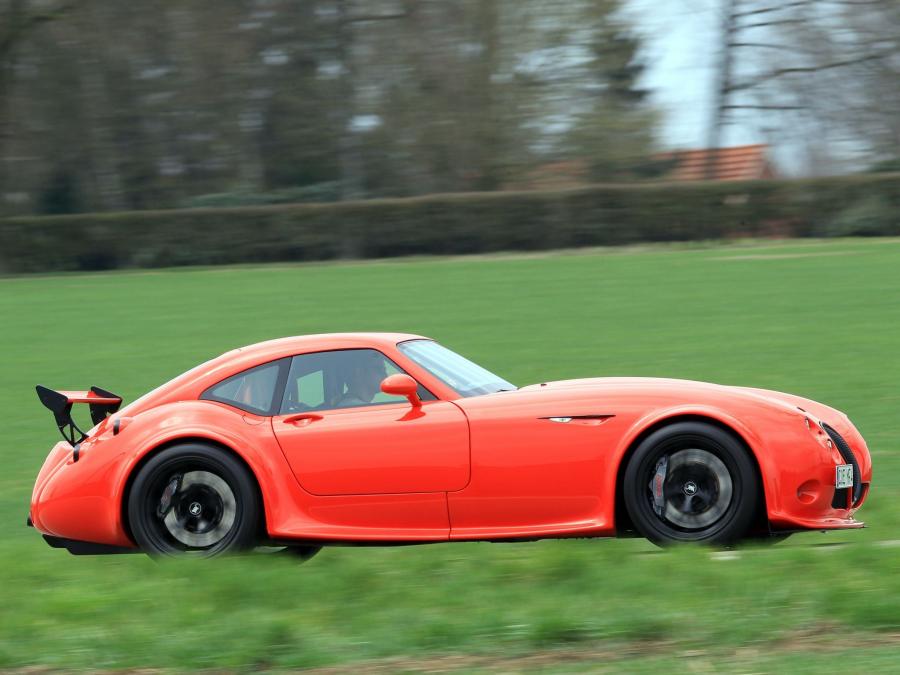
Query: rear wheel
{"x":193,"y":499}
{"x":691,"y":482}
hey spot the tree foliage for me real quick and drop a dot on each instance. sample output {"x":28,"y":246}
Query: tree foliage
{"x":119,"y":106}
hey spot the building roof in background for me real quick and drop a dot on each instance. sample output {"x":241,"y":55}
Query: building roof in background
{"x":741,"y":162}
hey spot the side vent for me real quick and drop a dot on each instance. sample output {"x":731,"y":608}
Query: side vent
{"x":584,"y":420}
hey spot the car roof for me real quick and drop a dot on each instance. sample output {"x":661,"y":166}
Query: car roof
{"x":189,"y":384}
{"x":323,"y":341}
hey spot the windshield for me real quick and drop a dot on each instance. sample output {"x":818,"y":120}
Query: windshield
{"x":467,"y":378}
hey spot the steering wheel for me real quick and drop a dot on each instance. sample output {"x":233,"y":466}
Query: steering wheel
{"x":292,"y":405}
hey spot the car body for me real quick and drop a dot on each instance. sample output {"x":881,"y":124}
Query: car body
{"x":545,"y":460}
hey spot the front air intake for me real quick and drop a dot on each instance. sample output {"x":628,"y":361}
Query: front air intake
{"x":844,"y":448}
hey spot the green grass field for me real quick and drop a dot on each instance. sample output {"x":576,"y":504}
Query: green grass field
{"x":820,"y":319}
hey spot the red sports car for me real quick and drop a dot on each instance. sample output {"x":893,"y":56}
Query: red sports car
{"x":390,"y":438}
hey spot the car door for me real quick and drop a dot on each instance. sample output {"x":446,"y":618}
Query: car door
{"x":342,"y":436}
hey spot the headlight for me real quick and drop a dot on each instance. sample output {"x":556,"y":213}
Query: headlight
{"x":815,"y":428}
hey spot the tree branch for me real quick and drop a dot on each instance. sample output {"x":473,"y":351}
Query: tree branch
{"x":19,"y":27}
{"x":806,"y":3}
{"x":776,"y":22}
{"x":50,"y":15}
{"x":740,"y":106}
{"x":806,"y":69}
{"x":768,"y":10}
{"x":760,"y":45}
{"x":375,"y":17}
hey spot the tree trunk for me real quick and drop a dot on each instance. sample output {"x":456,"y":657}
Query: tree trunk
{"x":5,"y":127}
{"x":10,"y":32}
{"x":350,"y":159}
{"x":490,"y":130}
{"x":98,"y":106}
{"x":724,"y":76}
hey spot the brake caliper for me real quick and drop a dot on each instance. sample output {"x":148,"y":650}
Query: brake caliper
{"x":657,"y":486}
{"x":165,"y":502}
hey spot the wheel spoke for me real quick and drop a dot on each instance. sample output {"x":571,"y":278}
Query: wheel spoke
{"x":699,"y":489}
{"x":203,"y":510}
{"x":705,"y":497}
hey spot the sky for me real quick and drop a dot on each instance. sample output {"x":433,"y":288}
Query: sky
{"x":680,"y":55}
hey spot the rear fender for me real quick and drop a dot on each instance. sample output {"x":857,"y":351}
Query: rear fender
{"x":246,"y":435}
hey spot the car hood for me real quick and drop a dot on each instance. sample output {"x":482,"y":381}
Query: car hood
{"x":688,"y":390}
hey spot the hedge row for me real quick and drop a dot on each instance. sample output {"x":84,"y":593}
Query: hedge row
{"x":453,"y":224}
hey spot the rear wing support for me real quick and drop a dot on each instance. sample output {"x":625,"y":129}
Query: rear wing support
{"x":102,"y":403}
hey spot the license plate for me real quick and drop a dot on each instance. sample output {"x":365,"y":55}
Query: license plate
{"x":844,"y":476}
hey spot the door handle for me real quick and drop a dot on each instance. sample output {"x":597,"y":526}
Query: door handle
{"x":302,"y":419}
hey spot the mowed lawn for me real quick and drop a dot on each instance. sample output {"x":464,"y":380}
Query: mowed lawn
{"x":820,"y":319}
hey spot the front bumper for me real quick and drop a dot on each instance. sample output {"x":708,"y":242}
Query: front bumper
{"x":809,"y":499}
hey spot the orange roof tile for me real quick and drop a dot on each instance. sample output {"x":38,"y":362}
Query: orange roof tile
{"x":743,"y":162}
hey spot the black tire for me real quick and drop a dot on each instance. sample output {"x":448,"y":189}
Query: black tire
{"x":194,"y":499}
{"x":691,"y":482}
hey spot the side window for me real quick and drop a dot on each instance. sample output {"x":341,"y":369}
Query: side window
{"x":311,"y":389}
{"x":252,"y":390}
{"x":347,"y":378}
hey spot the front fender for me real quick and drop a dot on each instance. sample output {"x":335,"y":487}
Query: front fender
{"x":754,"y":427}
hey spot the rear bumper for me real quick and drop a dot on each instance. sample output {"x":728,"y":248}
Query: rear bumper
{"x":79,"y":501}
{"x":76,"y":547}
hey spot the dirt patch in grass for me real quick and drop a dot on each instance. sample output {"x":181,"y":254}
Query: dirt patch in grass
{"x":781,"y":256}
{"x":819,"y":639}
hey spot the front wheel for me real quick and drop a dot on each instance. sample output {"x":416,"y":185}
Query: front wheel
{"x":691,"y":482}
{"x":193,"y":499}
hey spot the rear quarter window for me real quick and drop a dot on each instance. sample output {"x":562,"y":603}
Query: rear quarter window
{"x":254,"y":390}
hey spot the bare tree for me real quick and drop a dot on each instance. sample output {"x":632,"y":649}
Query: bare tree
{"x":792,"y":60}
{"x":18,"y":20}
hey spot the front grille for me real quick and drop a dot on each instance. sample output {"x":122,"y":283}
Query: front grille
{"x":862,"y":495}
{"x":849,"y":458}
{"x":841,"y":498}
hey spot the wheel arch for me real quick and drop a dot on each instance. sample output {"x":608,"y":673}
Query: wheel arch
{"x":622,"y":522}
{"x":147,"y":454}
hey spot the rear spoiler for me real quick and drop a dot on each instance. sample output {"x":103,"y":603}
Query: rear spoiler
{"x":101,"y":402}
